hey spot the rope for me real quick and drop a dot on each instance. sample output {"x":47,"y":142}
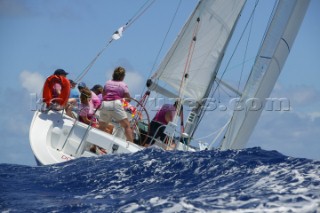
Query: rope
{"x":86,"y":70}
{"x":213,"y":133}
{"x":139,"y":14}
{"x":246,"y":50}
{"x":185,"y":74}
{"x":189,"y":57}
{"x":115,"y":36}
{"x":187,"y":68}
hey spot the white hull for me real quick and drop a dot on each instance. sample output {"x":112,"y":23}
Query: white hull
{"x":56,"y":138}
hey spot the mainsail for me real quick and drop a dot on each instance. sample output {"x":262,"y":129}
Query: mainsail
{"x":267,"y":67}
{"x":193,"y":60}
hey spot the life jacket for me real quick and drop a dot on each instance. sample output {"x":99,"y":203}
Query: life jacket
{"x":47,"y":94}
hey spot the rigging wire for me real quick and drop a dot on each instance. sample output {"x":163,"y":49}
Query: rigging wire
{"x":269,"y":22}
{"x":115,"y":36}
{"x":144,"y":92}
{"x":165,"y":38}
{"x":245,"y":52}
{"x":228,"y":133}
{"x":223,"y":90}
{"x":213,"y":133}
{"x":139,"y":14}
{"x":237,"y":45}
{"x":86,"y":70}
{"x":228,"y":63}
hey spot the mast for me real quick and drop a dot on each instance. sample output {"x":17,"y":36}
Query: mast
{"x":269,"y":62}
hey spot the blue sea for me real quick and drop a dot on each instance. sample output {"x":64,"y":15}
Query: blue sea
{"x":152,"y":180}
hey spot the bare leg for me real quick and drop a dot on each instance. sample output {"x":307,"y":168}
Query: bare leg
{"x":109,"y":128}
{"x":102,"y":125}
{"x":127,"y":130}
{"x":106,"y":127}
{"x":71,"y":103}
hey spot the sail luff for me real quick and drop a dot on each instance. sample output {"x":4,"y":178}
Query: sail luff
{"x":200,"y":111}
{"x":217,"y":19}
{"x":269,"y":62}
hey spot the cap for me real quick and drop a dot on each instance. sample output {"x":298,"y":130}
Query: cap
{"x":96,"y":87}
{"x":60,"y":72}
{"x":82,"y":84}
{"x":72,"y":82}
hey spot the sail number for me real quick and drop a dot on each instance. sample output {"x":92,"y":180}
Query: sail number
{"x":65,"y":157}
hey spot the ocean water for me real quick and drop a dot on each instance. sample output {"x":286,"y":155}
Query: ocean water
{"x":249,"y":180}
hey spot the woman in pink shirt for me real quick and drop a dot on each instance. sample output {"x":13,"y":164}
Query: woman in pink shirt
{"x":98,"y":89}
{"x":86,"y":109}
{"x":159,"y":122}
{"x":111,"y":107}
{"x":95,"y":100}
{"x":165,"y":114}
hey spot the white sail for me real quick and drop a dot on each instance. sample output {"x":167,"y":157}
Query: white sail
{"x":211,"y":24}
{"x":269,"y":62}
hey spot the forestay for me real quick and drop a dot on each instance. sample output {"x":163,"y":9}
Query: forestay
{"x":269,"y":62}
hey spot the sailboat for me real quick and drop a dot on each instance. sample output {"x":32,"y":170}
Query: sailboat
{"x":188,"y":74}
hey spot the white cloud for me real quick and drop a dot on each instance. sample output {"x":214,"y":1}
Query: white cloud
{"x":299,"y":95}
{"x":31,"y":81}
{"x":15,"y":122}
{"x":314,"y":115}
{"x":304,"y":95}
{"x":295,"y":132}
{"x":135,"y":82}
{"x":291,"y":133}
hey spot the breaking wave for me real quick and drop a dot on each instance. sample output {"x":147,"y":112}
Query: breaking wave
{"x":152,"y":180}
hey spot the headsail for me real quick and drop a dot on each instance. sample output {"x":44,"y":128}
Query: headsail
{"x":199,"y":48}
{"x":269,"y":62}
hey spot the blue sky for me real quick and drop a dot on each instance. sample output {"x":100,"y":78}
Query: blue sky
{"x":38,"y":37}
